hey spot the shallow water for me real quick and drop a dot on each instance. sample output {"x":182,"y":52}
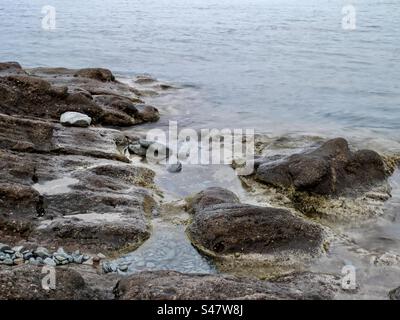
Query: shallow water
{"x":167,"y":249}
{"x":373,"y":248}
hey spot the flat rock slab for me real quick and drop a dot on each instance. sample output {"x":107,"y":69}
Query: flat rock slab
{"x":37,"y":136}
{"x":25,"y":282}
{"x":171,"y":285}
{"x":54,"y":200}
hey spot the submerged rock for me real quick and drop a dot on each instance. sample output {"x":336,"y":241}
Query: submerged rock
{"x":75,"y":119}
{"x":332,"y":169}
{"x":171,"y":285}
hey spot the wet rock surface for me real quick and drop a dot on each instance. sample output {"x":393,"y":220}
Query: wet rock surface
{"x":162,"y":285}
{"x":238,"y":233}
{"x":331,"y":169}
{"x":25,"y":282}
{"x":322,"y":179}
{"x":48,"y":92}
{"x":64,"y":188}
{"x":65,"y":185}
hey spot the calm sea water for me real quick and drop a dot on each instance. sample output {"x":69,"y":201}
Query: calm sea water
{"x":273,"y":65}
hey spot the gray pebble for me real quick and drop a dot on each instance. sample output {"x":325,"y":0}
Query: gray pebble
{"x":18,"y":249}
{"x":145,"y":143}
{"x":137,"y":149}
{"x":78,"y":259}
{"x":174,"y":168}
{"x":28,"y":255}
{"x":4,"y":247}
{"x":42,"y":252}
{"x":60,"y":250}
{"x":101,"y":256}
{"x":8,"y":262}
{"x":19,"y":255}
{"x":108,"y":267}
{"x":49,"y":262}
{"x":123,"y":268}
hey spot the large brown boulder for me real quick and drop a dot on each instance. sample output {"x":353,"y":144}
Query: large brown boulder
{"x":242,"y":236}
{"x":331,"y":169}
{"x":241,"y":228}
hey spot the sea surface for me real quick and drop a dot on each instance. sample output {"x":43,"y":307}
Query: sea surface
{"x":274,"y":65}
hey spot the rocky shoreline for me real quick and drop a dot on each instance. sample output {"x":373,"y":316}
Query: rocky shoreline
{"x":72,"y":199}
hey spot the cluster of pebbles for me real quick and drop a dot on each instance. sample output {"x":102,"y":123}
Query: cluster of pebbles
{"x":42,"y":256}
{"x":108,"y":267}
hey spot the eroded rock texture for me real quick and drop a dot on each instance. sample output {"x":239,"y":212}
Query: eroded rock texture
{"x":241,"y":233}
{"x":170,"y":285}
{"x":332,"y":169}
{"x":71,"y":186}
